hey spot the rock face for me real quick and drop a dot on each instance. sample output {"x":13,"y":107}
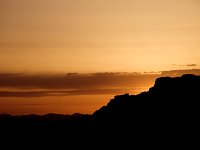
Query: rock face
{"x":171,"y":103}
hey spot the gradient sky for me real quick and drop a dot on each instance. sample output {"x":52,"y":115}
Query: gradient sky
{"x":65,"y":56}
{"x":98,"y":35}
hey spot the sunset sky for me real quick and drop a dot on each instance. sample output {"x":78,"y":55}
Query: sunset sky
{"x":67,"y":56}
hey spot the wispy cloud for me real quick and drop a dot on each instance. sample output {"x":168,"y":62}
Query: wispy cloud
{"x":185,"y":65}
{"x":191,"y":65}
{"x":180,"y":72}
{"x":39,"y":85}
{"x":74,"y":80}
{"x":63,"y":93}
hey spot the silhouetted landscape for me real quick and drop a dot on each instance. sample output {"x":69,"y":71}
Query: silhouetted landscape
{"x":170,"y":107}
{"x":92,"y":73}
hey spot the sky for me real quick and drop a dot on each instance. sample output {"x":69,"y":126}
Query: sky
{"x":60,"y":51}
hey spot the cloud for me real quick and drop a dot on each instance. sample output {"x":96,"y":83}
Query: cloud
{"x":23,"y":94}
{"x":39,"y":85}
{"x":191,"y":65}
{"x":187,"y":65}
{"x":63,"y":93}
{"x":180,"y":72}
{"x":74,"y":80}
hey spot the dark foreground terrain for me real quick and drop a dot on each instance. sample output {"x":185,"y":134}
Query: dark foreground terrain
{"x":168,"y":111}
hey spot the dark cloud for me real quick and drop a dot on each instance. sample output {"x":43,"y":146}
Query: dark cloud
{"x":191,"y":65}
{"x":23,"y":94}
{"x":180,"y":72}
{"x":62,"y":93}
{"x":38,"y":85}
{"x":187,"y":65}
{"x":75,"y":80}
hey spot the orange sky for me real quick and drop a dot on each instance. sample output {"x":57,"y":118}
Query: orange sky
{"x":43,"y":38}
{"x":71,"y":93}
{"x":98,"y":35}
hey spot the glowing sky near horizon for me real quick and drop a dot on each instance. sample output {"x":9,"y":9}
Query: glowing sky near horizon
{"x":98,"y":35}
{"x":100,"y":43}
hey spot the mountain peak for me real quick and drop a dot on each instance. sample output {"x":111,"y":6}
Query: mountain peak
{"x":168,"y":98}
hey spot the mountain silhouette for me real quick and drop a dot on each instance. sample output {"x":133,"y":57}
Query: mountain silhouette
{"x":170,"y":107}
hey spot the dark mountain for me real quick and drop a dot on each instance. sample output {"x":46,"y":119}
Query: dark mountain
{"x":171,"y":105}
{"x":169,"y":108}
